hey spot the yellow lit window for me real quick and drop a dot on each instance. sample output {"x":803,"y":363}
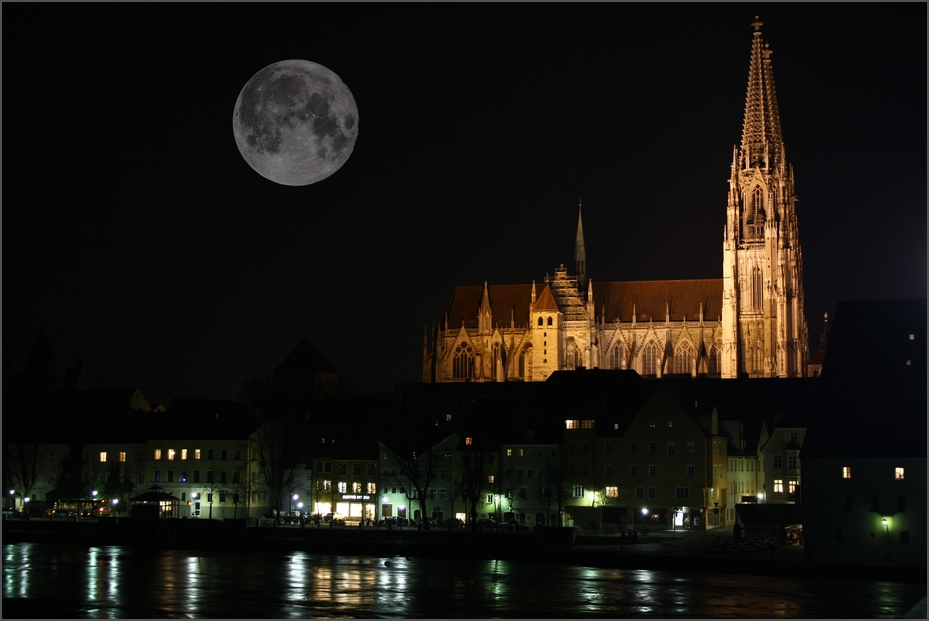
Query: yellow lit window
{"x":196,"y":453}
{"x":469,"y":441}
{"x":372,"y":488}
{"x":898,"y":473}
{"x":778,"y":486}
{"x":171,"y":454}
{"x":183,"y":453}
{"x":490,"y":478}
{"x":520,"y":452}
{"x":572,"y":424}
{"x":122,"y":456}
{"x":846,"y":472}
{"x":509,"y":452}
{"x":157,"y":453}
{"x":103,"y":456}
{"x":612,"y":492}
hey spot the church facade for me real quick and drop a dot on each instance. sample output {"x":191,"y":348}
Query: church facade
{"x":748,"y":323}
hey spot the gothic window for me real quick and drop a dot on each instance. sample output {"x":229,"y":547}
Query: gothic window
{"x":712,"y":361}
{"x":650,"y":359}
{"x":757,"y":282}
{"x":522,"y":363}
{"x":496,"y":358}
{"x":463,"y":363}
{"x":683,"y":358}
{"x":616,"y":357}
{"x":570,"y":355}
{"x":549,"y":321}
{"x":540,"y":321}
{"x":754,"y":216}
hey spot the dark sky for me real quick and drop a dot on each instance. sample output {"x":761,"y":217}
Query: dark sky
{"x":136,"y":235}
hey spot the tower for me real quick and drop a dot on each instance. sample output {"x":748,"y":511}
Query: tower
{"x":764,"y":329}
{"x":580,"y":253}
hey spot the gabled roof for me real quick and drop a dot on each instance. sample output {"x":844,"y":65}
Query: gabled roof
{"x":546,"y":301}
{"x":506,"y":301}
{"x":651,"y":299}
{"x":41,"y":350}
{"x":305,"y":358}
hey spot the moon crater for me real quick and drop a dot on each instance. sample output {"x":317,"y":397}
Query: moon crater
{"x":295,"y":122}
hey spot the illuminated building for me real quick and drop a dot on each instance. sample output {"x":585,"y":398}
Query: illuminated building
{"x":748,"y":323}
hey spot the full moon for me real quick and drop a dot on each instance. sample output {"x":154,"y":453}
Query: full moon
{"x":295,"y":122}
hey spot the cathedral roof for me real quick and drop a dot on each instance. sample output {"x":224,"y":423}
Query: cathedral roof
{"x":546,"y":301}
{"x":505,"y":301}
{"x":651,"y":299}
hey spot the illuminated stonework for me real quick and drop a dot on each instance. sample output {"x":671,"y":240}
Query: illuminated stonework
{"x":748,"y":323}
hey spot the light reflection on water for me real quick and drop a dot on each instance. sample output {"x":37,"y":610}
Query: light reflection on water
{"x":116,"y":582}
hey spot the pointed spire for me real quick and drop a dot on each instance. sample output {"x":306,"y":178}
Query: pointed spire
{"x":580,"y":254}
{"x":762,"y":144}
{"x":532,"y":299}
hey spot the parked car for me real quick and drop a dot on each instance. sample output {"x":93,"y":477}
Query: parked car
{"x":62,"y":513}
{"x":453,"y":523}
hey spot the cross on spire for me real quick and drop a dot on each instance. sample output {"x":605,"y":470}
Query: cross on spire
{"x":757,"y":24}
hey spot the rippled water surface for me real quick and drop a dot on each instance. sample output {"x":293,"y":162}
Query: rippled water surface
{"x":44,"y":580}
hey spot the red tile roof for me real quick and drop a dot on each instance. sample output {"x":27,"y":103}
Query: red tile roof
{"x":613,"y":299}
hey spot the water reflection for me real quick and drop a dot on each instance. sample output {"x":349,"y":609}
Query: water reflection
{"x":113,"y":582}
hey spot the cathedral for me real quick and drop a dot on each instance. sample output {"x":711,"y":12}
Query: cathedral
{"x":749,"y":323}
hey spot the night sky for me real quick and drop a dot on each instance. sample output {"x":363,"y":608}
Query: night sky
{"x":138,"y":238}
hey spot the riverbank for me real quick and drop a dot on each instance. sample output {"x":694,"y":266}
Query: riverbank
{"x":691,"y":551}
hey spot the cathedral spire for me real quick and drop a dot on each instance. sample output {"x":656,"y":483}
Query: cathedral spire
{"x":580,"y":254}
{"x":762,"y":144}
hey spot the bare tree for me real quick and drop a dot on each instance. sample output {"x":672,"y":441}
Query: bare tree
{"x":272,"y":445}
{"x":20,"y":467}
{"x":474,"y":462}
{"x":548,"y":486}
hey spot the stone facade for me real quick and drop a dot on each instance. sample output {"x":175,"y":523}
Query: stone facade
{"x":749,"y":323}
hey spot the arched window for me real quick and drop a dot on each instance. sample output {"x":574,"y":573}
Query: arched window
{"x":570,"y":354}
{"x":650,"y":359}
{"x":617,"y":357}
{"x":522,"y":362}
{"x":549,"y":321}
{"x":495,"y":358}
{"x":540,"y":321}
{"x":757,"y":288}
{"x":683,"y":358}
{"x":463,"y":362}
{"x":712,"y":362}
{"x":754,"y":215}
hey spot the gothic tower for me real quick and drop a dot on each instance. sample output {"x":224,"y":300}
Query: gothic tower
{"x":764,"y":329}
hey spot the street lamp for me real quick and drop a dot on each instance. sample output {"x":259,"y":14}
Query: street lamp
{"x":294,"y":498}
{"x":644,"y":518}
{"x":760,"y":497}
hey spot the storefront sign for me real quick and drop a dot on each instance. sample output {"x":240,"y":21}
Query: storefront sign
{"x":356,"y":497}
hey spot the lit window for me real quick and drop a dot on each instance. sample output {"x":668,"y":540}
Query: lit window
{"x":509,"y":452}
{"x":670,"y":423}
{"x":196,"y":453}
{"x":521,"y":453}
{"x":791,"y":487}
{"x":912,"y":337}
{"x":103,"y":456}
{"x":778,"y":486}
{"x":578,"y":491}
{"x":183,"y":453}
{"x":612,"y":492}
{"x":490,"y":478}
{"x":898,"y":473}
{"x":122,"y":456}
{"x":157,"y":453}
{"x":448,"y":417}
{"x":343,"y":487}
{"x":846,"y":472}
{"x":171,"y":453}
{"x":469,"y":441}
{"x":572,"y":424}
{"x":356,"y":487}
{"x":651,"y":423}
{"x":587,"y":424}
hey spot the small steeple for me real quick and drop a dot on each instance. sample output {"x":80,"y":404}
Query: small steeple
{"x":580,"y":254}
{"x":824,"y":337}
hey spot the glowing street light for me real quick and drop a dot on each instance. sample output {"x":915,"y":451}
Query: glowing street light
{"x":644,"y":517}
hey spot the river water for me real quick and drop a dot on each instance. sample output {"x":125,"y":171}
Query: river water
{"x":75,"y":581}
